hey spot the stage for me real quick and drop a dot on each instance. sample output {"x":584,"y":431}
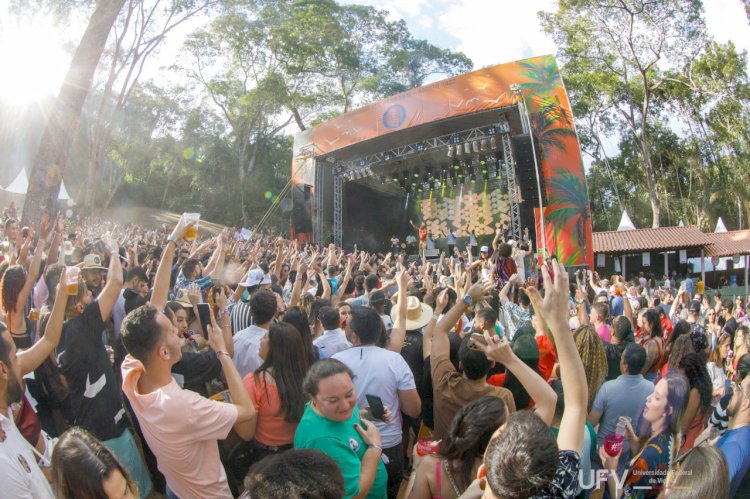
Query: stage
{"x":466,"y":154}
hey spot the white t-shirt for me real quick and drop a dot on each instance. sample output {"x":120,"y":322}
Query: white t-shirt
{"x":451,"y":239}
{"x":19,"y":474}
{"x":472,"y":239}
{"x":246,"y":356}
{"x":383,"y":373}
{"x":331,"y":342}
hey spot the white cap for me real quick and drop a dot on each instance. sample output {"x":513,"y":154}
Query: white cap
{"x":256,"y":277}
{"x":484,"y":249}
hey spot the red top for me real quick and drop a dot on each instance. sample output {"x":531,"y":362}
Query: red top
{"x":423,"y":234}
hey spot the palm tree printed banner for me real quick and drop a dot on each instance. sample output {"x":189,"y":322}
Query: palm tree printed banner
{"x":567,"y":223}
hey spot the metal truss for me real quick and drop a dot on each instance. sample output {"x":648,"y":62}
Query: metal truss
{"x":416,"y":148}
{"x":338,"y":210}
{"x":509,"y":166}
{"x":319,"y":197}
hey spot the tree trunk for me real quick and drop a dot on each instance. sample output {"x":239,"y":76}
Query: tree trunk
{"x":52,"y":156}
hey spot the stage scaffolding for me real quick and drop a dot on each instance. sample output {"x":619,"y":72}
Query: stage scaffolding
{"x":345,"y":171}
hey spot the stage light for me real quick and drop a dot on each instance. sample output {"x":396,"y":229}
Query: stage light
{"x":475,"y":147}
{"x":362,"y":162}
{"x":383,"y":179}
{"x":386,"y":156}
{"x":467,"y":148}
{"x":416,"y":173}
{"x":491,"y":130}
{"x":450,"y":151}
{"x":395,"y":177}
{"x":456,"y":165}
{"x":493,"y":143}
{"x":420,"y":147}
{"x":483,"y":145}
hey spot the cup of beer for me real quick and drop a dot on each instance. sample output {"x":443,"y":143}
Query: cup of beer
{"x":71,"y":280}
{"x":192,"y":232}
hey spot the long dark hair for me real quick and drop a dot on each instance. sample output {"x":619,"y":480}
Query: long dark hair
{"x":297,"y":318}
{"x":694,"y":367}
{"x":469,"y":433}
{"x":81,"y":464}
{"x":652,"y":316}
{"x":288,"y":364}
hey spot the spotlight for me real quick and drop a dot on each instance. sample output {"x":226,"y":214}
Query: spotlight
{"x":450,"y":151}
{"x":467,"y":148}
{"x":459,"y":149}
{"x":493,"y":143}
{"x":456,"y":165}
{"x":483,"y":145}
{"x":475,"y":147}
{"x":420,"y":147}
{"x":416,"y":173}
{"x":395,"y":177}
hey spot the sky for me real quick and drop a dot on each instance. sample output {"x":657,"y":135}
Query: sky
{"x":497,"y":31}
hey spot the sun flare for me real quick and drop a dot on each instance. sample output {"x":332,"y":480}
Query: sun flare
{"x":32,"y":62}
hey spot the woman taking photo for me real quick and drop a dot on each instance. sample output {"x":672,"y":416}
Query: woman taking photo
{"x":656,"y":445}
{"x":449,"y":473}
{"x":276,"y":391}
{"x":331,"y":423}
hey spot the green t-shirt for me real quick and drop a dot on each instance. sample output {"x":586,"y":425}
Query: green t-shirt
{"x":342,"y":442}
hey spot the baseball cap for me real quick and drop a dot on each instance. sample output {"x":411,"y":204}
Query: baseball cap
{"x":256,"y":277}
{"x":484,"y":249}
{"x":694,"y":306}
{"x":377,"y":296}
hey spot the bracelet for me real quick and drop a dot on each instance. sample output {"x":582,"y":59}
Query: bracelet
{"x":219,"y":353}
{"x":373,"y":446}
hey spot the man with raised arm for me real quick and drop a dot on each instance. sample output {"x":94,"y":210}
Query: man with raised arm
{"x":180,"y":426}
{"x":523,"y":459}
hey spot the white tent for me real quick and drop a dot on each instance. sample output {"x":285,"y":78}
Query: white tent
{"x":681,"y":224}
{"x":720,"y":227}
{"x":63,"y":196}
{"x":20,"y":185}
{"x":625,"y":222}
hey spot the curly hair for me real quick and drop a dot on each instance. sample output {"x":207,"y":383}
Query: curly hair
{"x":594,"y":358}
{"x":694,"y":367}
{"x":681,"y":347}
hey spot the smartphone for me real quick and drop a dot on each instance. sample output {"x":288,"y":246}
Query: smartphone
{"x":376,"y":406}
{"x":477,"y":338}
{"x":204,"y":314}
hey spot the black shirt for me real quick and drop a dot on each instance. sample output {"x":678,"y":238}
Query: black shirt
{"x":198,"y":369}
{"x":730,"y":327}
{"x":614,"y":353}
{"x":94,"y":392}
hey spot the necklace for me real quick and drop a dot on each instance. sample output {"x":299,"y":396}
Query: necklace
{"x":447,"y":468}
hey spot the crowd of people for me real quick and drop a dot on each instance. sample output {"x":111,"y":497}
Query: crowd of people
{"x":137,"y":362}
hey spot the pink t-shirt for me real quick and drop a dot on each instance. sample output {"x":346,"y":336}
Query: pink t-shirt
{"x":181,"y":428}
{"x":604,"y":333}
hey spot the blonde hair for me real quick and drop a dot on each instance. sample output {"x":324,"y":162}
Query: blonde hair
{"x":594,"y":359}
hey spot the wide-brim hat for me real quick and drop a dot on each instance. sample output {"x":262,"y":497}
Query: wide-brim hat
{"x":92,"y":261}
{"x":417,"y":314}
{"x":182,"y":298}
{"x":256,"y":277}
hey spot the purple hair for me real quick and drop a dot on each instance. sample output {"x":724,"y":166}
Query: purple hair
{"x":677,"y":395}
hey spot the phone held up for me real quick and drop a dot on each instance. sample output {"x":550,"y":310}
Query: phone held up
{"x":204,"y":314}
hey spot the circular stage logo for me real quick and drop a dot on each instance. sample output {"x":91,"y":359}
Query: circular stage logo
{"x":394,"y":116}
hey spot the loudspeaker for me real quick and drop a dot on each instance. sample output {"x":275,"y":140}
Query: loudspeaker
{"x":301,"y":213}
{"x":526,"y":170}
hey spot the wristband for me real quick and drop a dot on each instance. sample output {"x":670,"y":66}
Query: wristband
{"x":373,"y":446}
{"x":219,"y":353}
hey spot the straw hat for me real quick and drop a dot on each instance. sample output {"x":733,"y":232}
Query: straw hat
{"x":417,"y":314}
{"x":92,"y":261}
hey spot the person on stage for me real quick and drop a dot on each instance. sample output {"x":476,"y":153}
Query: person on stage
{"x":472,"y":246}
{"x":450,"y":240}
{"x":422,"y":230}
{"x":395,"y":245}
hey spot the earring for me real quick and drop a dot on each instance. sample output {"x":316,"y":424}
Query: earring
{"x":482,"y":483}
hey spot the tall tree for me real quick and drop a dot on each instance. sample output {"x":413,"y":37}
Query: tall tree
{"x":52,"y":156}
{"x":636,"y":41}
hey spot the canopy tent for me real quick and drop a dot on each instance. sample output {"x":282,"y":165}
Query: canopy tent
{"x":20,"y":185}
{"x":625,"y":222}
{"x":720,"y":227}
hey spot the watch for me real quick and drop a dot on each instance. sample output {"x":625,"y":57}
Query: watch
{"x":468,"y":300}
{"x":171,"y":238}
